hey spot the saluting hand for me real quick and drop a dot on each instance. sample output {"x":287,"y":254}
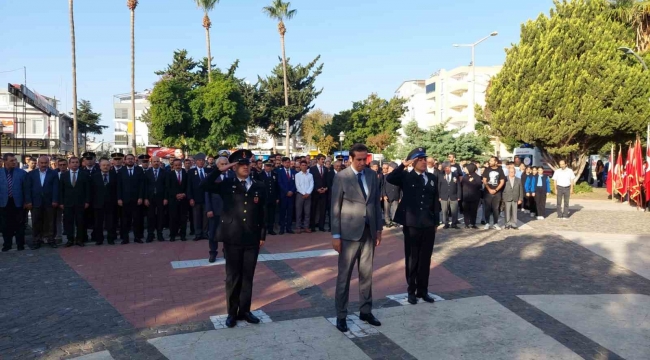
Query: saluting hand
{"x":224,"y":168}
{"x":408,"y":163}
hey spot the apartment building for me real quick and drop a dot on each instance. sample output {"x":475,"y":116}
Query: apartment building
{"x":124,"y":124}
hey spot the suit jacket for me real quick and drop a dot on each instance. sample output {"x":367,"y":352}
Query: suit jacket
{"x":173,"y":188}
{"x":77,"y":195}
{"x":419,"y":206}
{"x":271,"y":186}
{"x":214,"y":203}
{"x":44,"y":195}
{"x":103,"y":196}
{"x":319,"y":181}
{"x":394,"y":193}
{"x":449,"y":190}
{"x":242,"y":218}
{"x":19,"y":179}
{"x":194,"y":191}
{"x":286,"y":184}
{"x":350,"y":209}
{"x":155,"y":188}
{"x":130,"y":188}
{"x":513,"y":193}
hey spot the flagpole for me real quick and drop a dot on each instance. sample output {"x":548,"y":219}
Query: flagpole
{"x":612,"y":161}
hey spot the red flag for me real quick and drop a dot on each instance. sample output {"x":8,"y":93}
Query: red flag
{"x":628,"y":169}
{"x":619,"y":184}
{"x":610,"y":172}
{"x":635,"y":173}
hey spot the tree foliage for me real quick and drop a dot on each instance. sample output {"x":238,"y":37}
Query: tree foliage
{"x":88,"y":121}
{"x":367,"y":120}
{"x":566,"y":88}
{"x":326,"y":144}
{"x":636,"y":14}
{"x":312,"y":126}
{"x":440,"y":142}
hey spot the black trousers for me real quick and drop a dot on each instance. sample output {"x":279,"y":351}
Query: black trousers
{"x":470,"y":210}
{"x":13,"y":224}
{"x":418,"y":247}
{"x":104,"y":219}
{"x":155,"y":218}
{"x":492,"y":205}
{"x":540,"y":200}
{"x":42,"y":219}
{"x":269,"y":213}
{"x":73,"y":218}
{"x":318,"y":204}
{"x":131,"y":218}
{"x":178,"y":218}
{"x":213,"y":225}
{"x":240,"y":269}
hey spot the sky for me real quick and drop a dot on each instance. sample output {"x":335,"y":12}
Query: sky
{"x":366,"y":46}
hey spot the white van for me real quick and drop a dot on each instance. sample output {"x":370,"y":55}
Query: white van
{"x":531,"y":157}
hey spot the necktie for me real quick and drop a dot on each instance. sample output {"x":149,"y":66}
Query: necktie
{"x":363,"y":190}
{"x":201,"y":173}
{"x":10,"y":184}
{"x":74,"y":178}
{"x":243,"y":183}
{"x":320,"y":170}
{"x":155,"y":175}
{"x":179,"y":177}
{"x":448,"y":179}
{"x":105,"y":179}
{"x":130,"y":172}
{"x":288,"y":174}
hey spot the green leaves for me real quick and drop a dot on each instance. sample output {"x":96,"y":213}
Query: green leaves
{"x":566,"y":88}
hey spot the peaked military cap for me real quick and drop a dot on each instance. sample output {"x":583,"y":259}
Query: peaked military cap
{"x":117,"y":155}
{"x":417,"y":153}
{"x":88,"y":155}
{"x":144,"y":157}
{"x":241,"y":156}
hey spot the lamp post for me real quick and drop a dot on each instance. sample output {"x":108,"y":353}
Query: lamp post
{"x":629,"y":51}
{"x":472,"y":117}
{"x":341,"y":138}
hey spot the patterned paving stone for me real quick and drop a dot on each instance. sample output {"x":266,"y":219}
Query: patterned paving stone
{"x":402,"y":299}
{"x":219,"y":321}
{"x":357,"y":327}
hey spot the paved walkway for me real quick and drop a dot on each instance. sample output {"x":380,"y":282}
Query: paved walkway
{"x":553,"y":290}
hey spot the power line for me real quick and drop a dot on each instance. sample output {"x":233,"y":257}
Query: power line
{"x":6,"y":71}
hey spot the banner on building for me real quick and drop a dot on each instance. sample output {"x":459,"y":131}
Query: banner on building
{"x":7,"y":125}
{"x":164,"y":152}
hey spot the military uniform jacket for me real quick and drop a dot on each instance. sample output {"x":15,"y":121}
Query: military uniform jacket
{"x":271,"y":186}
{"x":419,"y":206}
{"x":242,"y":218}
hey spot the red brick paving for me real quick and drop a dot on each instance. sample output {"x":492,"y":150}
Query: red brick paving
{"x":138,"y":280}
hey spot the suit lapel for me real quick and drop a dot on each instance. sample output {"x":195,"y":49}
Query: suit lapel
{"x":369,"y":178}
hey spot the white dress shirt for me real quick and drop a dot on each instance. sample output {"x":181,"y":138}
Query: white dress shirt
{"x":563,"y":178}
{"x":76,"y":172}
{"x":248,"y":180}
{"x":304,"y":183}
{"x":42,"y":175}
{"x":363,"y":179}
{"x":201,"y":172}
{"x":423,"y":177}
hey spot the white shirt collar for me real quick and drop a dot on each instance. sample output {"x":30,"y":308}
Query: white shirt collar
{"x":355,"y":171}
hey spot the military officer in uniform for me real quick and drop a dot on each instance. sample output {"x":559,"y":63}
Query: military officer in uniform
{"x":118,"y":158}
{"x":418,"y":214}
{"x":270,"y":180}
{"x":242,"y":230}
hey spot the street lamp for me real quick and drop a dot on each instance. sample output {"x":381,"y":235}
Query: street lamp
{"x":341,"y":138}
{"x":473,"y":103}
{"x":629,"y":51}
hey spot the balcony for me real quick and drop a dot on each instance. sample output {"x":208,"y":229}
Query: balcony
{"x":457,"y":103}
{"x":457,"y":87}
{"x":458,"y":121}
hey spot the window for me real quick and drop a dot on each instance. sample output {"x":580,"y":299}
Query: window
{"x":35,"y":126}
{"x":431,"y":88}
{"x":121,"y":113}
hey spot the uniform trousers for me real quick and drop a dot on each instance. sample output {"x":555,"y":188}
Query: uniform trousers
{"x":540,"y":200}
{"x":104,"y":219}
{"x":131,"y":218}
{"x":200,"y":221}
{"x":155,"y":218}
{"x":363,"y":253}
{"x":42,"y":221}
{"x":269,"y":213}
{"x":240,"y":270}
{"x":213,"y":225}
{"x":13,"y":224}
{"x":418,"y":247}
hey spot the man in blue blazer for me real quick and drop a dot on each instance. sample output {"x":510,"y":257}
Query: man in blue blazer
{"x":12,"y":213}
{"x":42,"y":198}
{"x":287,"y":184}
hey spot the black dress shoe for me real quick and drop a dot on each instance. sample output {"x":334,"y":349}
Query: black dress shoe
{"x":482,"y":222}
{"x":183,"y":239}
{"x":81,"y":243}
{"x":281,"y":232}
{"x":98,"y":243}
{"x":70,"y":243}
{"x":21,"y":248}
{"x":213,"y":258}
{"x":467,"y":227}
{"x":149,"y":239}
{"x":249,"y":318}
{"x":321,"y":229}
{"x":342,"y":325}
{"x":111,"y":242}
{"x":4,"y":249}
{"x":160,"y":237}
{"x":370,"y":319}
{"x":139,"y":241}
{"x":427,"y":298}
{"x":290,"y":231}
{"x":455,"y":227}
{"x":196,"y":238}
{"x":474,"y":227}
{"x":271,"y":232}
{"x":446,"y":226}
{"x":514,"y":228}
{"x":172,"y":239}
{"x":231,"y":321}
{"x":412,"y":299}
{"x":124,"y":242}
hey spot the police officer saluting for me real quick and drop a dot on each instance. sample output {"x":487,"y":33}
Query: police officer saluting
{"x":418,"y":214}
{"x":242,"y":230}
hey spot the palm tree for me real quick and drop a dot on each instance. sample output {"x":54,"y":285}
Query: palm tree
{"x":132,"y":4}
{"x":75,"y":129}
{"x":636,"y":13}
{"x":279,"y":11}
{"x":207,"y":6}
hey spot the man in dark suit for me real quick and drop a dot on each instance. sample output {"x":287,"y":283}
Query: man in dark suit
{"x":270,"y":180}
{"x":12,"y":201}
{"x":89,"y":166}
{"x":320,"y":193}
{"x":42,"y":198}
{"x":154,"y":198}
{"x":390,"y":194}
{"x":118,"y":161}
{"x":449,"y":193}
{"x":418,"y":214}
{"x":336,"y":168}
{"x":196,"y":197}
{"x":75,"y":198}
{"x":104,"y":201}
{"x":287,"y":184}
{"x":242,"y":230}
{"x":356,"y":231}
{"x":176,"y":200}
{"x":130,"y":192}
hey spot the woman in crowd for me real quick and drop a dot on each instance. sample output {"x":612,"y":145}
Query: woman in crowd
{"x":529,"y":194}
{"x":524,"y":176}
{"x":471,"y":195}
{"x":600,"y":171}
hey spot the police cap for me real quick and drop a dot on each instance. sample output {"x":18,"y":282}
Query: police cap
{"x":242,"y":156}
{"x":117,"y":156}
{"x":417,"y":153}
{"x":144,"y":158}
{"x":88,"y":155}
